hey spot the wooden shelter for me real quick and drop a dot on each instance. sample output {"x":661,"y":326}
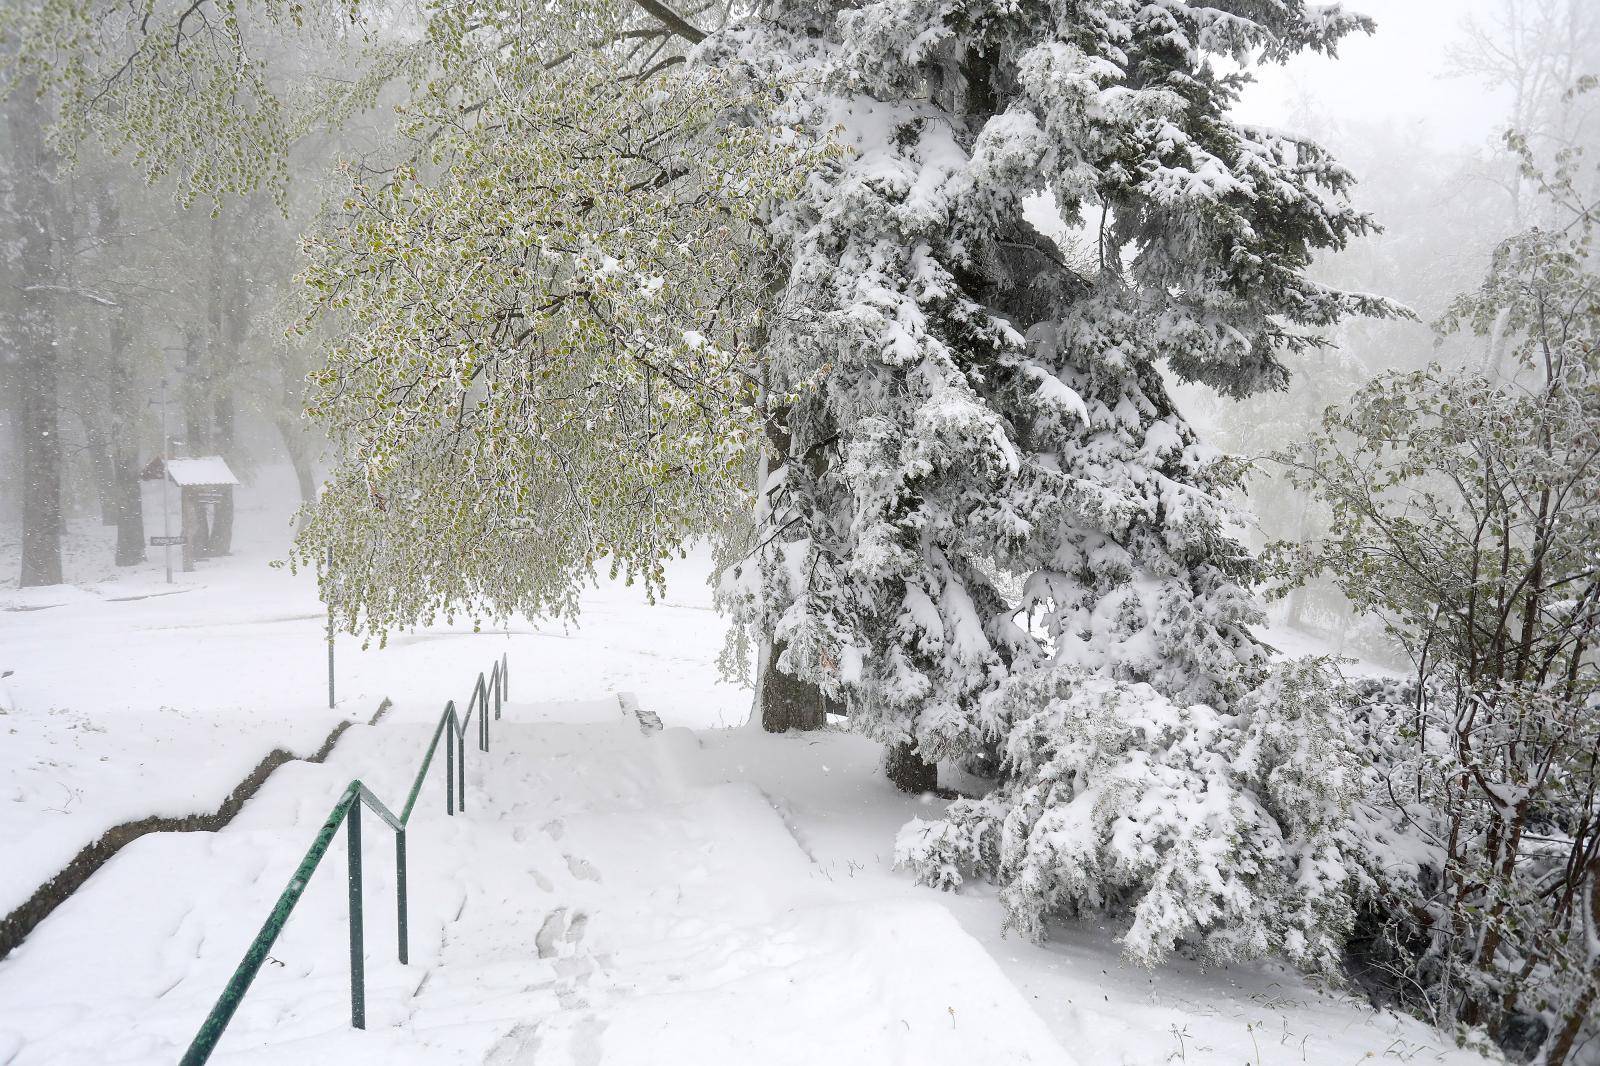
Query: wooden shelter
{"x":205,"y":492}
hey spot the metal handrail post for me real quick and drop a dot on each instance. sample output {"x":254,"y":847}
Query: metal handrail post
{"x":233,"y":993}
{"x":358,"y":969}
{"x":402,"y":936}
{"x":461,"y":772}
{"x":481,"y":694}
{"x":450,"y":763}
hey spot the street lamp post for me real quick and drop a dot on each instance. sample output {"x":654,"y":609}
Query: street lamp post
{"x":166,"y":496}
{"x":328,"y":594}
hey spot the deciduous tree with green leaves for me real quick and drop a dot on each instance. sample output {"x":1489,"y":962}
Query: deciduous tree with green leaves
{"x":1465,"y":510}
{"x":545,"y":326}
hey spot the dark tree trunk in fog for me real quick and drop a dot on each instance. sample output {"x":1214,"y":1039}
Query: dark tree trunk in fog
{"x":33,"y":334}
{"x":788,"y":702}
{"x":130,"y":509}
{"x":88,"y":391}
{"x":225,"y":321}
{"x":100,"y":465}
{"x":41,"y":448}
{"x":908,"y":771}
{"x":294,"y":444}
{"x":196,"y":441}
{"x":127,"y":498}
{"x":220,"y":538}
{"x":125,"y":408}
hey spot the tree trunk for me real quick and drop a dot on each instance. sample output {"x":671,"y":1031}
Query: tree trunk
{"x":129,"y":506}
{"x":1571,"y":1026}
{"x":127,"y":493}
{"x":195,"y":439}
{"x":220,"y":538}
{"x":908,"y":771}
{"x":1294,"y":613}
{"x":41,"y":452}
{"x":94,"y":436}
{"x":299,"y":457}
{"x":33,"y":332}
{"x":126,"y":408}
{"x":224,"y":323}
{"x":194,"y":526}
{"x":786,"y":701}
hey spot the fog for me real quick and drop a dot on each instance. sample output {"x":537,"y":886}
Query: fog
{"x":1416,"y":110}
{"x":1406,"y":74}
{"x":1158,"y":476}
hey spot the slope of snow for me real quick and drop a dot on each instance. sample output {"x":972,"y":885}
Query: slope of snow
{"x":700,"y":895}
{"x":623,"y":897}
{"x":596,"y":904}
{"x":835,"y":801}
{"x":131,"y":697}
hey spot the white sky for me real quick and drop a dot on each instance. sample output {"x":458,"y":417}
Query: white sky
{"x":1398,"y":71}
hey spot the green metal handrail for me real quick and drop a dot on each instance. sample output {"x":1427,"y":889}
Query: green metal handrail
{"x":453,"y":727}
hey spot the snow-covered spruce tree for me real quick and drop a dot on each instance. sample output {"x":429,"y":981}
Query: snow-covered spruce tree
{"x":981,"y":496}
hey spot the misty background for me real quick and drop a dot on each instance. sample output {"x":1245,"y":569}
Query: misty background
{"x":158,"y":292}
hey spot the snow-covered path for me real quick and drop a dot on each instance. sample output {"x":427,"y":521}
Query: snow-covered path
{"x":666,"y":922}
{"x":619,"y":897}
{"x":598,"y":903}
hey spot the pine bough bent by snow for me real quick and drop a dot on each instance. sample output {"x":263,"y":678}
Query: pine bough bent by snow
{"x":1217,"y":831}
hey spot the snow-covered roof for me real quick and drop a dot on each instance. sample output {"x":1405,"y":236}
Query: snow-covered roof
{"x":201,"y":470}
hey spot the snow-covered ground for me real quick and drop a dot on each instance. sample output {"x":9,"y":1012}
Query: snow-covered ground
{"x":700,"y":895}
{"x":131,"y":697}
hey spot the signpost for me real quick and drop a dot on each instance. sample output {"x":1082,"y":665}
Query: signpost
{"x":328,"y":593}
{"x":158,"y":542}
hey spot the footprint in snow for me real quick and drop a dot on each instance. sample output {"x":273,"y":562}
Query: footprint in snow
{"x":519,"y":1045}
{"x":545,"y":941}
{"x":577,"y":927}
{"x":582,"y":869}
{"x":559,"y":928}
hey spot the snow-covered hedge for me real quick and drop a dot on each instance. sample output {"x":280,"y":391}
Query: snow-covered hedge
{"x":1217,"y":832}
